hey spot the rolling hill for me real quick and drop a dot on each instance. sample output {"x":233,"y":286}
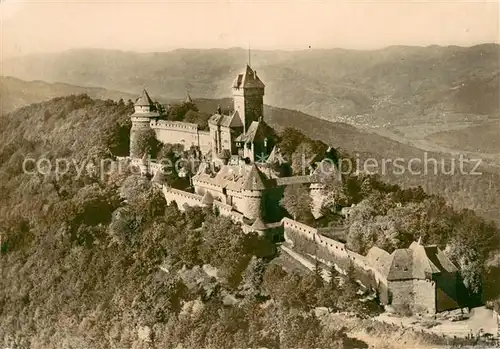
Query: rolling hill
{"x":16,"y":93}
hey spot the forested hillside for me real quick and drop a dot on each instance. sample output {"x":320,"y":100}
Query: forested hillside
{"x":94,"y":258}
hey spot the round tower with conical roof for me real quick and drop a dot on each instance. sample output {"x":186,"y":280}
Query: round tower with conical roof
{"x":144,"y":111}
{"x":253,"y":187}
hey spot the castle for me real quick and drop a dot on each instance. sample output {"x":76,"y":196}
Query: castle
{"x":244,"y":187}
{"x":240,"y":134}
{"x":240,"y":143}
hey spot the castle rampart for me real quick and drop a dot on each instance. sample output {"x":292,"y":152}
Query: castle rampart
{"x":181,"y":197}
{"x":176,"y":132}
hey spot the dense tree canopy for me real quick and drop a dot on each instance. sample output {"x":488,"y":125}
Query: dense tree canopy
{"x":92,"y":256}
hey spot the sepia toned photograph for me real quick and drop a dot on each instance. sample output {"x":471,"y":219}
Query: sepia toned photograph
{"x":249,"y":174}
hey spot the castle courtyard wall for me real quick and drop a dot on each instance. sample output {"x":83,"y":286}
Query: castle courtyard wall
{"x":201,"y":187}
{"x":181,"y":198}
{"x":181,"y":133}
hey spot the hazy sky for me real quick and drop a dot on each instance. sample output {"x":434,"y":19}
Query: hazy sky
{"x":42,"y":26}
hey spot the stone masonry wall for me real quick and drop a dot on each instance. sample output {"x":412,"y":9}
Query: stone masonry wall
{"x":417,"y":295}
{"x":425,"y":296}
{"x":316,"y":194}
{"x":181,"y":197}
{"x":181,"y":133}
{"x":252,"y":205}
{"x":308,"y":241}
{"x":139,"y":125}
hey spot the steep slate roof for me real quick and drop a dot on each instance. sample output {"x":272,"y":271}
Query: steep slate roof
{"x":255,"y":179}
{"x":232,"y":120}
{"x":257,"y":131}
{"x":435,"y":259}
{"x":402,"y":265}
{"x":248,"y":79}
{"x":380,"y":259}
{"x":415,"y":262}
{"x":236,"y":177}
{"x":144,"y":99}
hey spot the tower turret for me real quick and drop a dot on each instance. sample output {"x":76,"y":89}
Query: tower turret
{"x":145,"y":110}
{"x":248,"y":96}
{"x":253,"y":187}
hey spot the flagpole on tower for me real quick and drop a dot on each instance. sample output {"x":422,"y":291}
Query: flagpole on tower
{"x":249,"y":57}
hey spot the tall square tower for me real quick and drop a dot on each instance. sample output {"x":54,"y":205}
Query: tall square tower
{"x":248,"y":97}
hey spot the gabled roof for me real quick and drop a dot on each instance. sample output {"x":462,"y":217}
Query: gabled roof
{"x":232,"y":120}
{"x":415,"y":262}
{"x":257,"y":131}
{"x":248,"y":79}
{"x":144,"y":99}
{"x":380,"y":259}
{"x":402,"y":265}
{"x":433,"y":259}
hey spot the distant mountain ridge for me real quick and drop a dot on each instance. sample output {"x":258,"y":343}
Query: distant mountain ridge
{"x":16,"y":93}
{"x":326,"y":83}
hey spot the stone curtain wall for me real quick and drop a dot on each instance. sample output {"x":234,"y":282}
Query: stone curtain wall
{"x":418,"y":295}
{"x":181,"y":133}
{"x":307,"y":241}
{"x":182,"y":198}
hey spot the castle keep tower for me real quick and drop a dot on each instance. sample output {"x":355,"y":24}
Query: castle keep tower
{"x":144,"y":111}
{"x":248,"y":97}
